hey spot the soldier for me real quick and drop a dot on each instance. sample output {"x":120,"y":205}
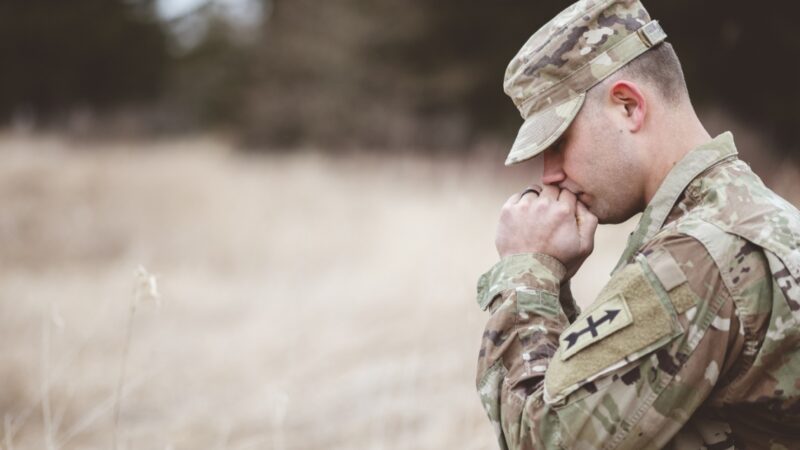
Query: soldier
{"x":693,"y":343}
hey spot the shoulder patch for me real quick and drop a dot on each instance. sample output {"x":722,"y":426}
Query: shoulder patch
{"x":647,"y":323}
{"x":604,"y":320}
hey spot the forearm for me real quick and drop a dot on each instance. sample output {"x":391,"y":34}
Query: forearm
{"x":521,"y":337}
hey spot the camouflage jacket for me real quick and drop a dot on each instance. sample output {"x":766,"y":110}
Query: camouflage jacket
{"x":693,"y":343}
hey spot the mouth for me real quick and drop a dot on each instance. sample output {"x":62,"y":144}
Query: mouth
{"x":581,"y":196}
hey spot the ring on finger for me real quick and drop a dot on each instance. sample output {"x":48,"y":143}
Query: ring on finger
{"x":528,"y":191}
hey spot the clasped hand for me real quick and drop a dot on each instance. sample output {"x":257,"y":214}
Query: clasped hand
{"x":553,"y":222}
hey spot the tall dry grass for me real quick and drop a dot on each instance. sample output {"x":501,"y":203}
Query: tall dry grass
{"x":309,"y":301}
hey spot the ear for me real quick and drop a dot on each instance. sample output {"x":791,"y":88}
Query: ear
{"x":629,"y":101}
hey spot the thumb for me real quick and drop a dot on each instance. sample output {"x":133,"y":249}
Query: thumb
{"x":587,"y":225}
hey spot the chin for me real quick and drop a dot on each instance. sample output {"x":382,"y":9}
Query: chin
{"x":611,"y":220}
{"x":606,"y":217}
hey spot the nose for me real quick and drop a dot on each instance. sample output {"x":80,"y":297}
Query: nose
{"x":553,"y":167}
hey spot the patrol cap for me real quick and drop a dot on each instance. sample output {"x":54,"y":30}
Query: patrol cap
{"x":581,"y":46}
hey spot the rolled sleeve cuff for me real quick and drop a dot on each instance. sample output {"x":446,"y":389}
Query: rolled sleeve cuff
{"x":528,"y":270}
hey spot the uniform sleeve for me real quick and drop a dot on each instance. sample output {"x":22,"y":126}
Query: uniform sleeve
{"x":629,"y":372}
{"x":523,"y":293}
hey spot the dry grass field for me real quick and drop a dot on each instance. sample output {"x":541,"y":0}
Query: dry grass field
{"x":303,"y":301}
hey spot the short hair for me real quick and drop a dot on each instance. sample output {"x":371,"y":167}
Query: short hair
{"x":661,"y":67}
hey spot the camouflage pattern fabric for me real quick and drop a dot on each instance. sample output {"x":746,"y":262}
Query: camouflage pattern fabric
{"x":693,"y":344}
{"x":548,"y":78}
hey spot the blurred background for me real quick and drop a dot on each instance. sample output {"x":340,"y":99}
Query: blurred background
{"x":235,"y":224}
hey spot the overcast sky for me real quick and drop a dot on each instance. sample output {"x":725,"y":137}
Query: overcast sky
{"x":244,"y":10}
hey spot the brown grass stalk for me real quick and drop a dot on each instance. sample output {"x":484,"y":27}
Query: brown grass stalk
{"x":47,"y":415}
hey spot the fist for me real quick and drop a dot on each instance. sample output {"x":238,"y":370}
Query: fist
{"x":553,"y":222}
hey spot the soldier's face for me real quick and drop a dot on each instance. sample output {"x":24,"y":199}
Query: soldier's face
{"x":597,"y":162}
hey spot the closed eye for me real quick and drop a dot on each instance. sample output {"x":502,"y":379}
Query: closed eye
{"x":558,"y":145}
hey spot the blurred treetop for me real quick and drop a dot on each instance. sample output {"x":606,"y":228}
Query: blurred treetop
{"x":377,"y":73}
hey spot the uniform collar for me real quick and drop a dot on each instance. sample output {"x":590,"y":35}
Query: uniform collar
{"x":693,"y":164}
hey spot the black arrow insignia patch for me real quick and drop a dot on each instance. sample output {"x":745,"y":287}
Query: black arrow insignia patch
{"x":610,"y":317}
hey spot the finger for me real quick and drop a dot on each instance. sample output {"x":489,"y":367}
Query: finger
{"x":568,"y":198}
{"x":587,"y":225}
{"x":511,"y":200}
{"x":549,"y":192}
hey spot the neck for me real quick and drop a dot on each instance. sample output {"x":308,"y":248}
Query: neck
{"x":682,"y":133}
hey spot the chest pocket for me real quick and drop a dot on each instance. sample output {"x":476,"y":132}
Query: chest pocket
{"x":631,"y":317}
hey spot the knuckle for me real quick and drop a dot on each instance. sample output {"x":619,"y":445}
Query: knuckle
{"x":542,"y":205}
{"x":559,"y":210}
{"x":508,"y":212}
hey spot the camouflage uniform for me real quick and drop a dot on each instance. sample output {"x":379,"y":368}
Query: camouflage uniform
{"x":692,"y":344}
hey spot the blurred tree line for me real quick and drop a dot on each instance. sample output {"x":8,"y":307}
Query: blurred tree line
{"x":60,"y":55}
{"x":376,"y":73}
